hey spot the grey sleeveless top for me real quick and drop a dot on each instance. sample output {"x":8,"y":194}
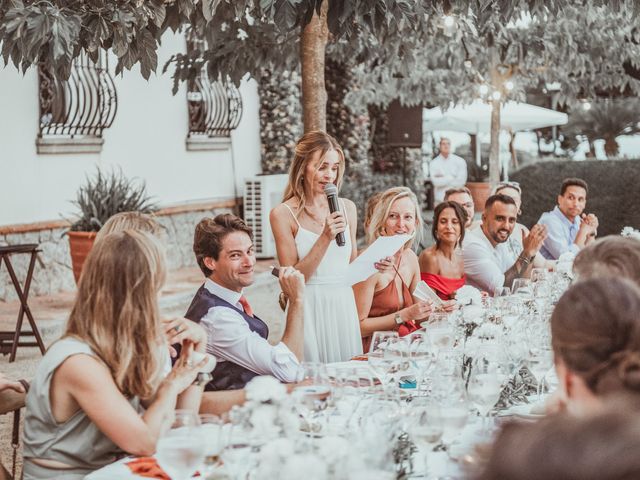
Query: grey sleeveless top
{"x":76,"y":442}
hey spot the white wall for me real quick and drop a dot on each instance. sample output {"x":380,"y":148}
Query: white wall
{"x":147,"y":140}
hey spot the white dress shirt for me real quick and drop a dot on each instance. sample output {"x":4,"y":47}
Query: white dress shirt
{"x":561,"y":233}
{"x":484,"y":264}
{"x":446,"y":173}
{"x":229,"y":338}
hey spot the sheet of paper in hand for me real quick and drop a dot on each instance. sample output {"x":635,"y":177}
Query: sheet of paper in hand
{"x":425,"y":293}
{"x":363,"y":266}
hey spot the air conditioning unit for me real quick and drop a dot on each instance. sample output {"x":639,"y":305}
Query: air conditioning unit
{"x":261,"y":194}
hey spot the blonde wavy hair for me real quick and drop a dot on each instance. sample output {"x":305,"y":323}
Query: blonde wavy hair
{"x":310,"y":143}
{"x":380,"y":213}
{"x":116,"y":309}
{"x":129,"y":221}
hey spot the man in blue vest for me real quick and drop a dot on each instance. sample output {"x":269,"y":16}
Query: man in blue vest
{"x":235,"y":336}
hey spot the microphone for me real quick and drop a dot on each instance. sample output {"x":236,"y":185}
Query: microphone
{"x":331,"y":191}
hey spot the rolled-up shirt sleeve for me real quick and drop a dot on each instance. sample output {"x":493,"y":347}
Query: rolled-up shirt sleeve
{"x":557,"y":241}
{"x":229,"y":338}
{"x":480,"y":269}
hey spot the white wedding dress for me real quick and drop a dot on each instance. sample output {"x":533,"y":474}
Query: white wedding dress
{"x":331,"y":325}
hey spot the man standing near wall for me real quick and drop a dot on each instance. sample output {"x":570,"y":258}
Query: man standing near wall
{"x":447,"y":171}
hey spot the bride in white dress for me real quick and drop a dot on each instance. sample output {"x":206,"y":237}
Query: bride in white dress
{"x":305,"y":232}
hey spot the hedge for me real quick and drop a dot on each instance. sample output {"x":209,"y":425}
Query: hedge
{"x":614,"y":190}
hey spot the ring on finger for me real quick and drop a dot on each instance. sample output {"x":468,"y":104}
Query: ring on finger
{"x":177,"y":328}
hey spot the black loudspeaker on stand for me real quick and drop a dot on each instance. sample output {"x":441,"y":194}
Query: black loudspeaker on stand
{"x":405,"y":130}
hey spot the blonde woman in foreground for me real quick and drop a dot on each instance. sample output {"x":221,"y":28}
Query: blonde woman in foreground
{"x":84,"y":408}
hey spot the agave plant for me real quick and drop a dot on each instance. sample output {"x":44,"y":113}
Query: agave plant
{"x":106,"y":194}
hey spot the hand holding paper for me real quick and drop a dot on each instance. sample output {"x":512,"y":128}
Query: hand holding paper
{"x":364,"y":265}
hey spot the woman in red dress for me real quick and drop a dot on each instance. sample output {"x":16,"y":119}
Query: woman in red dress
{"x":442,"y":266}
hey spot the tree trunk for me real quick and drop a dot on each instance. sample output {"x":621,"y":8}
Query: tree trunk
{"x":512,"y":149}
{"x":611,"y":148}
{"x":494,"y":152}
{"x":312,"y":57}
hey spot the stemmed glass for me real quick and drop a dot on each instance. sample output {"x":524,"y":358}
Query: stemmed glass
{"x":425,"y":427}
{"x":454,"y":412}
{"x":211,"y":427}
{"x":380,"y":340}
{"x":421,"y":355}
{"x":486,"y":380}
{"x":181,"y":448}
{"x":313,"y":398}
{"x":539,"y":362}
{"x":379,"y":360}
{"x":522,"y":287}
{"x":237,"y":453}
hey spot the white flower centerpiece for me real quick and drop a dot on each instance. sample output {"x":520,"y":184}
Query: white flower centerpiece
{"x":268,"y":412}
{"x":630,"y":232}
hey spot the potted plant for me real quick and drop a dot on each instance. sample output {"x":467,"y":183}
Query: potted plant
{"x":478,"y":183}
{"x":102,"y":196}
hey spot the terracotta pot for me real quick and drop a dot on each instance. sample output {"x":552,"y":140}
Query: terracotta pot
{"x":479,"y":192}
{"x":80,"y":244}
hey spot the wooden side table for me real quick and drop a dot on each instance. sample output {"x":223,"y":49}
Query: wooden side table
{"x":10,"y":340}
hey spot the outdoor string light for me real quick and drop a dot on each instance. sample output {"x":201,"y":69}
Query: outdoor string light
{"x":508,"y":85}
{"x":586,"y":105}
{"x":496,"y":95}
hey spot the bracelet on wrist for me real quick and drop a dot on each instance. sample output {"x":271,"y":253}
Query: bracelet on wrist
{"x":525,"y":258}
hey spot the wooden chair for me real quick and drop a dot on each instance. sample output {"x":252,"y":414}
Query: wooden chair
{"x":11,"y":401}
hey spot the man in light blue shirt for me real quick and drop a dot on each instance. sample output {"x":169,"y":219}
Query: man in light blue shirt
{"x":569,"y":229}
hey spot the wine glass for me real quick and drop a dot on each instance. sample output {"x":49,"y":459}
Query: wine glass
{"x":313,"y":398}
{"x":486,"y":382}
{"x":539,"y":275}
{"x":181,"y":448}
{"x":421,"y":355}
{"x":237,"y":453}
{"x":522,"y":287}
{"x":454,"y":412}
{"x":539,"y":362}
{"x":425,"y":427}
{"x":502,"y":292}
{"x":442,"y":335}
{"x":379,"y":340}
{"x":211,"y":427}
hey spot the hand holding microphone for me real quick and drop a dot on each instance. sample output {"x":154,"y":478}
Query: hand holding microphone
{"x":335,"y":224}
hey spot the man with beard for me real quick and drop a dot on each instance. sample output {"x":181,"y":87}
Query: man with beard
{"x":488,"y":263}
{"x":570,"y":229}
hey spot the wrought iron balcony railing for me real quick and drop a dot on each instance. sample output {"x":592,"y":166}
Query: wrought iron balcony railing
{"x":82,"y":106}
{"x":215,"y":108}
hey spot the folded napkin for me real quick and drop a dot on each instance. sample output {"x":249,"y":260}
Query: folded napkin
{"x":147,"y":467}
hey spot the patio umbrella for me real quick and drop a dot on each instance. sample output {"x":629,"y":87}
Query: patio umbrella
{"x":475,"y":118}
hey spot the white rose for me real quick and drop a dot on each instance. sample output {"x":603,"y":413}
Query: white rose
{"x":265,"y":389}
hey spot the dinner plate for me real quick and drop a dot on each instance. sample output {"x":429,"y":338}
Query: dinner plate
{"x":522,"y":411}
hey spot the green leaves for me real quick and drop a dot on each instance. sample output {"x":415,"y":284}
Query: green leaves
{"x":106,"y":194}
